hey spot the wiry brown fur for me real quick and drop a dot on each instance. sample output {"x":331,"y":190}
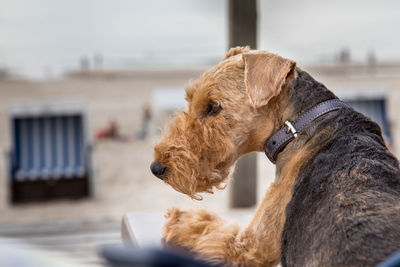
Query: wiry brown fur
{"x":256,"y":92}
{"x":198,"y":151}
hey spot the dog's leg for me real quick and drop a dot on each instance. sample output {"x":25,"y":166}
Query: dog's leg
{"x":258,"y":244}
{"x":217,"y":241}
{"x":202,"y":232}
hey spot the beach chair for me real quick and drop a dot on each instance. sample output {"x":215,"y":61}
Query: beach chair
{"x":50,"y":155}
{"x":375,"y":108}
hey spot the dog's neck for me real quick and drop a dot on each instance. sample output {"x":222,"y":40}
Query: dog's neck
{"x":292,"y":130}
{"x":300,"y":96}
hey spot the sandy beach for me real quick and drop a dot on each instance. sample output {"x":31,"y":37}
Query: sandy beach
{"x":122,"y":179}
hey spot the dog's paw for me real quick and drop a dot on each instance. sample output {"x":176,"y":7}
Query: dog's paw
{"x":186,"y":228}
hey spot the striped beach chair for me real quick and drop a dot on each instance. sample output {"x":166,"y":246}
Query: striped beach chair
{"x":376,"y":110}
{"x":372,"y":103}
{"x":50,"y":155}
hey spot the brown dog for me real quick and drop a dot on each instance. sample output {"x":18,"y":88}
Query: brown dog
{"x":336,"y":196}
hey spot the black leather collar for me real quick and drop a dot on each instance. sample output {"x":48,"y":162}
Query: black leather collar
{"x":290,"y":131}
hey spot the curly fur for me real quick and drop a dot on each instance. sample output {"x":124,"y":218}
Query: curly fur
{"x":335,"y":200}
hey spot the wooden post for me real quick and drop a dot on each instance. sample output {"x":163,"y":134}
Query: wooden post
{"x":242,"y":32}
{"x":243,"y":23}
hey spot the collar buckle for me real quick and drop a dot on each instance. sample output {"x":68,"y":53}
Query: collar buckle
{"x":291,"y":129}
{"x":278,"y":141}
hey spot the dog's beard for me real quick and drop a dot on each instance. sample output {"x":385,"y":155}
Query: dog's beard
{"x":193,"y":179}
{"x":197,"y":157}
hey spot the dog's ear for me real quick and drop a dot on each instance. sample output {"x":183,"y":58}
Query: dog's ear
{"x":265,"y":75}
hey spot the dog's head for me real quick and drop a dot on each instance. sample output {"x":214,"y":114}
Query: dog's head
{"x":229,"y":114}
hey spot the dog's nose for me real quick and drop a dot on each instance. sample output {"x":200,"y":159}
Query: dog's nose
{"x":157,"y":169}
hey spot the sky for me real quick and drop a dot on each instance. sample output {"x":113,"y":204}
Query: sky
{"x":38,"y":37}
{"x":39,"y":34}
{"x":315,"y":30}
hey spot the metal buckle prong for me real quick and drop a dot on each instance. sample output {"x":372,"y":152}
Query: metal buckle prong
{"x":291,"y":128}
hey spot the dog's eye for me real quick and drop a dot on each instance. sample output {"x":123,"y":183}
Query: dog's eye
{"x":213,"y":109}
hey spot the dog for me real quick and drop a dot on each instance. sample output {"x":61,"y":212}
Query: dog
{"x":335,"y":200}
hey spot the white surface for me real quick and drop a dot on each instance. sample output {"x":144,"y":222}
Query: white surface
{"x":143,"y":229}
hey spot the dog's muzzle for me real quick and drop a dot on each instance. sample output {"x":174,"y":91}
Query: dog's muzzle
{"x":158,"y":169}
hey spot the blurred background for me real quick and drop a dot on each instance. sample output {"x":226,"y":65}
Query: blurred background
{"x":86,"y":86}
